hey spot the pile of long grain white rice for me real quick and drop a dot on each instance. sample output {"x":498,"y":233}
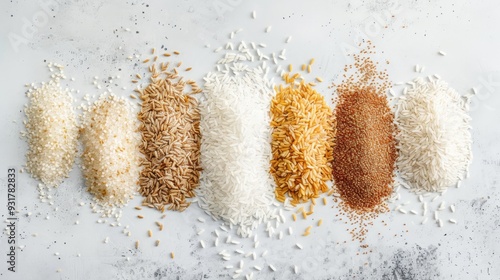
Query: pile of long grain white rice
{"x":51,"y":130}
{"x":235,"y":151}
{"x":434,"y":137}
{"x":110,"y":151}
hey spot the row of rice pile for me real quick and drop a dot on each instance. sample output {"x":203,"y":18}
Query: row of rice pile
{"x":110,"y":155}
{"x":235,"y":153}
{"x":365,"y":152}
{"x":51,"y":130}
{"x":304,"y":146}
{"x":434,"y":138}
{"x":302,"y":141}
{"x":170,"y":129}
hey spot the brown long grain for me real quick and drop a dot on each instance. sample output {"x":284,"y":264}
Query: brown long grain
{"x":169,"y":125}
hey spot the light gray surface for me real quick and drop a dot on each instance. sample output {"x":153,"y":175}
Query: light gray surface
{"x":86,"y":36}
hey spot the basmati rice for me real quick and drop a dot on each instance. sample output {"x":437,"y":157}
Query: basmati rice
{"x":302,"y":141}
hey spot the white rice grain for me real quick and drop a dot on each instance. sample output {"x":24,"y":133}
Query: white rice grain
{"x":110,"y":154}
{"x":51,"y":131}
{"x":235,"y":152}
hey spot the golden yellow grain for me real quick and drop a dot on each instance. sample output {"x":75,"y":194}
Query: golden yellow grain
{"x":140,"y":216}
{"x":172,"y":255}
{"x":309,"y":68}
{"x":290,"y":68}
{"x":150,"y":233}
{"x":153,"y":50}
{"x":138,"y":208}
{"x":304,"y":214}
{"x":302,"y":142}
{"x":188,"y":69}
{"x":167,"y":107}
{"x":319,"y":79}
{"x":177,"y":53}
{"x":294,"y":217}
{"x":145,"y":60}
{"x":311,"y":62}
{"x":320,"y":222}
{"x":324,"y":200}
{"x":133,"y":96}
{"x":138,"y":76}
{"x":303,"y":67}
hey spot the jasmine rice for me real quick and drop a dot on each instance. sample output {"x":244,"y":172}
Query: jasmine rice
{"x":51,"y":130}
{"x":434,"y":136}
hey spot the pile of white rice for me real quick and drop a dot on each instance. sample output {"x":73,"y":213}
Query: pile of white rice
{"x":235,"y":151}
{"x":51,"y":131}
{"x":110,"y":152}
{"x":434,"y":136}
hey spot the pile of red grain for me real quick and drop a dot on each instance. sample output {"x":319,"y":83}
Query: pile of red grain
{"x":365,"y":152}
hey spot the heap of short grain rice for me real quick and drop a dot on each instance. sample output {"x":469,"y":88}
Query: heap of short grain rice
{"x":236,"y":185}
{"x":110,"y":155}
{"x":302,"y":141}
{"x":51,"y":130}
{"x":170,"y":129}
{"x":365,"y":147}
{"x":434,"y":138}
